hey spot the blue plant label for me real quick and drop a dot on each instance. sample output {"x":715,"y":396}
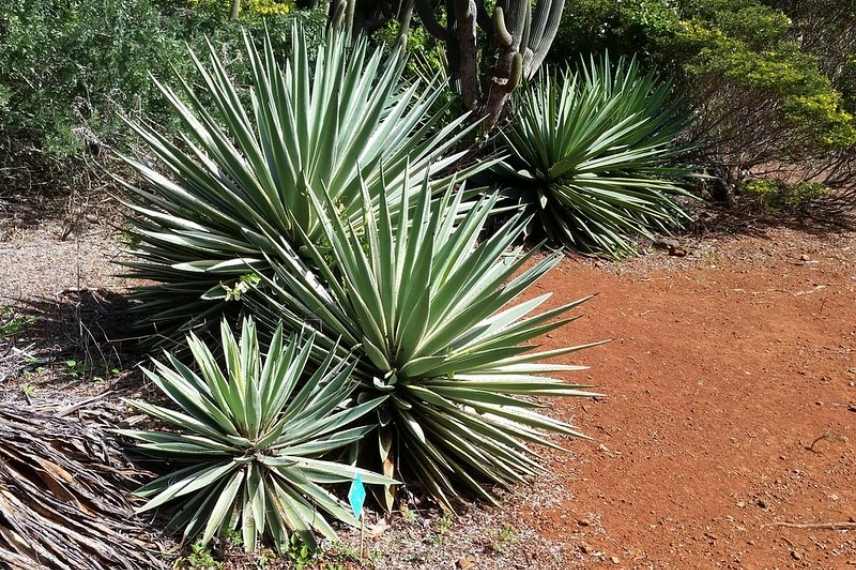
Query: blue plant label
{"x":357,"y":495}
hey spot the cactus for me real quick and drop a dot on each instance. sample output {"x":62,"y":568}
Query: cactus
{"x":548,"y":16}
{"x":516,"y":72}
{"x":533,"y":34}
{"x":519,"y":33}
{"x":503,"y":37}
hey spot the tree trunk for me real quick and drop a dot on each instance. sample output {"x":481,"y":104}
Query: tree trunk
{"x":236,"y":10}
{"x":721,"y":188}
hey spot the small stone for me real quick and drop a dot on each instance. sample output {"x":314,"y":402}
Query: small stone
{"x":466,"y":563}
{"x":762,"y":503}
{"x":851,"y":408}
{"x":615,"y":560}
{"x":585,"y":548}
{"x":741,"y":504}
{"x":795,"y":555}
{"x":584,"y":522}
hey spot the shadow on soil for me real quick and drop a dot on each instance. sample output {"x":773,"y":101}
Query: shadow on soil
{"x":83,"y":334}
{"x":822,"y":217}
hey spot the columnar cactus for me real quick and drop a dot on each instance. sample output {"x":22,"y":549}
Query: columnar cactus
{"x":519,"y":37}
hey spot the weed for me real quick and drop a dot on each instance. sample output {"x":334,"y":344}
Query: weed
{"x":444,"y":524}
{"x":504,"y":538}
{"x":299,"y":553}
{"x":76,"y":368}
{"x":233,"y":536}
{"x":200,"y":558}
{"x":408,"y":515}
{"x":341,"y":555}
{"x":778,"y":195}
{"x":264,"y":558}
{"x":13,"y":324}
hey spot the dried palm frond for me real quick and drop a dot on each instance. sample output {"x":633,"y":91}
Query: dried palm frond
{"x":63,"y":489}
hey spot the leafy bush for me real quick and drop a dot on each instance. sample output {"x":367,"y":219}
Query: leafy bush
{"x":779,"y":106}
{"x":246,"y":173}
{"x":71,"y":69}
{"x":590,"y":152}
{"x":766,"y":92}
{"x":779,"y":195}
{"x":425,"y":307}
{"x":629,"y":28}
{"x":251,"y":437}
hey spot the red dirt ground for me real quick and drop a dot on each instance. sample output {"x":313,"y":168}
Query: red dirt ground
{"x":723,"y":372}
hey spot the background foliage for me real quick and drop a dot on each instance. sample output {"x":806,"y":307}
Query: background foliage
{"x":69,"y":69}
{"x":770,"y":85}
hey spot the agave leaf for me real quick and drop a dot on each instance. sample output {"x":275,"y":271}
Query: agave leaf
{"x":231,"y":428}
{"x":244,"y":171}
{"x":594,"y":149}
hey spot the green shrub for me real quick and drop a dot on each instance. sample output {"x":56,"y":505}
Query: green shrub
{"x":71,"y":69}
{"x":763,"y":88}
{"x":67,"y":66}
{"x":247,"y":172}
{"x":590,"y":152}
{"x":248,"y":440}
{"x":779,"y":195}
{"x":629,"y":28}
{"x":426,"y":307}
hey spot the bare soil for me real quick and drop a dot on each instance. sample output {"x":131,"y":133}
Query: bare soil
{"x":730,"y":407}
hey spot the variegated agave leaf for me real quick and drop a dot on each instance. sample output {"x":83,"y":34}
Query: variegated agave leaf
{"x":247,"y":164}
{"x":429,"y":309}
{"x":253,"y":439}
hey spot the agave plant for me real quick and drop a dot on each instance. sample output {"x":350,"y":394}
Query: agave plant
{"x":424,"y":305}
{"x":591,"y":151}
{"x":247,"y":162}
{"x":249,"y":440}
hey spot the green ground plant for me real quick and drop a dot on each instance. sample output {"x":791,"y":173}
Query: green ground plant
{"x":199,"y":558}
{"x":12,"y":324}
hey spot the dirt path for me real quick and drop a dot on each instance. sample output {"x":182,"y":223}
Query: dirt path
{"x":722,"y":375}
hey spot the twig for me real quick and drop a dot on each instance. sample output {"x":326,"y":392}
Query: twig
{"x":74,"y":407}
{"x":828,"y":436}
{"x":821,"y":525}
